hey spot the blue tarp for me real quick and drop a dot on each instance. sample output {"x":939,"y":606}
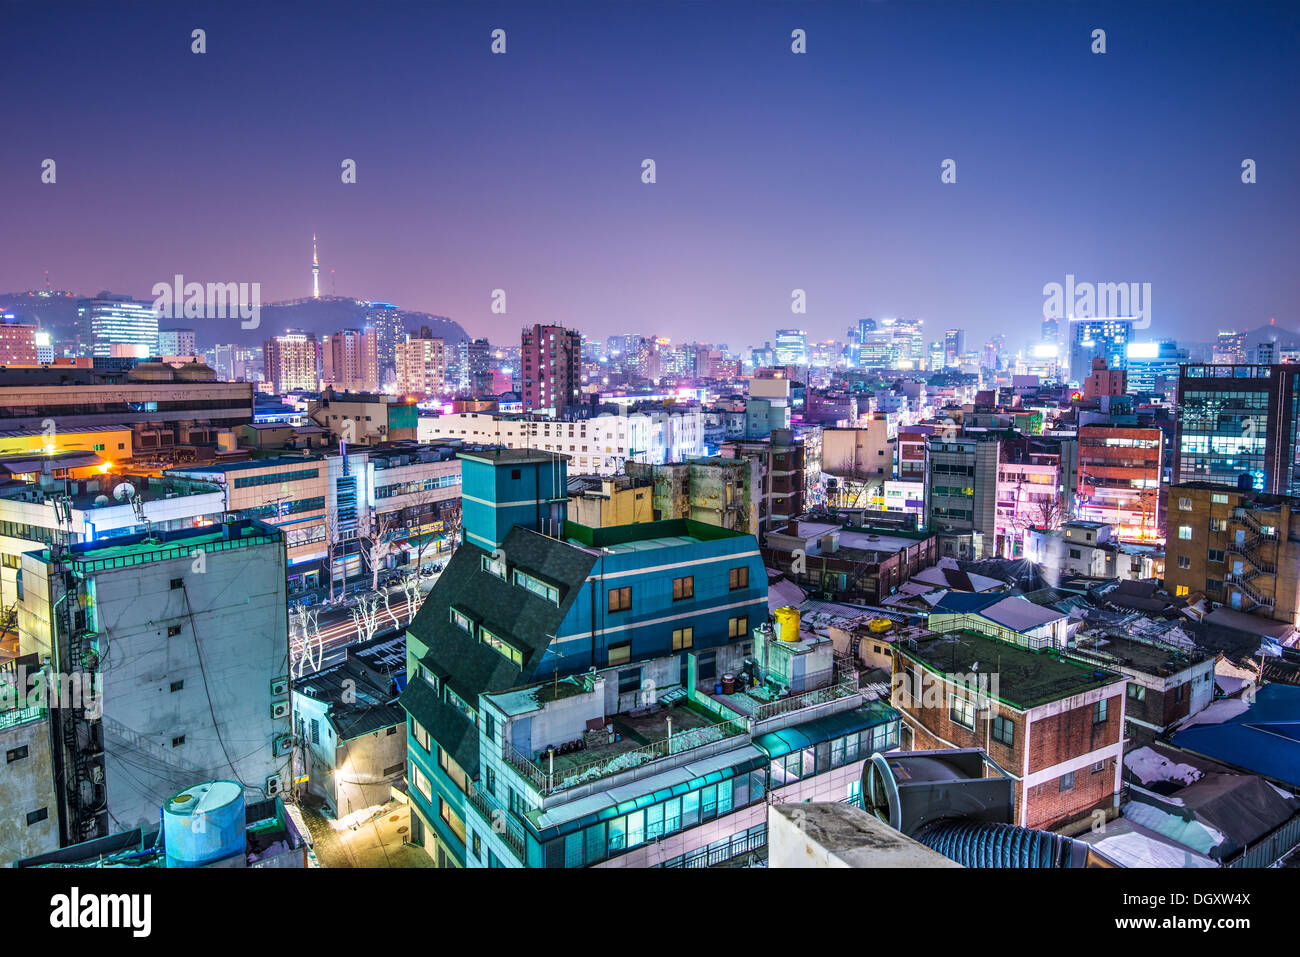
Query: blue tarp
{"x":1265,"y":738}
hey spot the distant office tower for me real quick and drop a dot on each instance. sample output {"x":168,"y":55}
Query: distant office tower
{"x":475,"y":372}
{"x":349,"y":362}
{"x":938,"y":356}
{"x":1051,"y":331}
{"x":44,"y":346}
{"x":17,"y":344}
{"x":1229,"y":348}
{"x":292,"y":362}
{"x":954,"y":344}
{"x":176,"y":342}
{"x":1098,"y":339}
{"x":552,"y":368}
{"x":223,"y":362}
{"x":421,"y":366}
{"x":791,"y":347}
{"x":1239,"y":419}
{"x":389,"y":331}
{"x":1154,"y":367}
{"x":107,"y":321}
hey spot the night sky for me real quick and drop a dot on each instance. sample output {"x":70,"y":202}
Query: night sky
{"x":775,"y":170}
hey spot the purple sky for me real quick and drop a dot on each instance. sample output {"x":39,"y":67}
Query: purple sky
{"x":775,"y":171}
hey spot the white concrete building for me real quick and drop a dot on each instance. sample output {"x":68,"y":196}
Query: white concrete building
{"x":30,"y":520}
{"x":596,"y":446}
{"x":1091,"y":549}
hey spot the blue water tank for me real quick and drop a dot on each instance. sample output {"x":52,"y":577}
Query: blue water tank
{"x":204,"y":824}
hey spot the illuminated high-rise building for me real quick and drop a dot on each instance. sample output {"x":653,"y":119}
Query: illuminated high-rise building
{"x":107,"y":321}
{"x":315,"y":269}
{"x":292,"y":362}
{"x":791,"y":347}
{"x":1098,"y":339}
{"x":389,"y":331}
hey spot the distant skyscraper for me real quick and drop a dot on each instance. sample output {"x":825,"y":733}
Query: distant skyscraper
{"x":421,"y":366}
{"x":389,"y":331}
{"x":108,"y":321}
{"x":315,"y":269}
{"x":954,"y":344}
{"x":291,"y":362}
{"x":552,"y":368}
{"x":176,"y":342}
{"x":1098,"y":339}
{"x":791,"y":347}
{"x":1229,"y":348}
{"x":348,"y":360}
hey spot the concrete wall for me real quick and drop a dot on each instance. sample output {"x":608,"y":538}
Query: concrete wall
{"x":235,"y":608}
{"x":28,"y":786}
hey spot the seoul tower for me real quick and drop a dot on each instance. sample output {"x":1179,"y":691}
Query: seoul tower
{"x":315,"y":269}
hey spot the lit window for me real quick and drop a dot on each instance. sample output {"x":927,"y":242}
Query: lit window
{"x":1185,"y":532}
{"x":683,"y":638}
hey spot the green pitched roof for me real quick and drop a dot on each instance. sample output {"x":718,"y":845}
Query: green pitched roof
{"x":522,"y":619}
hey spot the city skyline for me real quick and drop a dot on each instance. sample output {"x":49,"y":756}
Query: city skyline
{"x":770,"y":171}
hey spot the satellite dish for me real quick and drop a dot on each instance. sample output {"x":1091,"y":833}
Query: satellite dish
{"x":101,"y":500}
{"x":123,"y":492}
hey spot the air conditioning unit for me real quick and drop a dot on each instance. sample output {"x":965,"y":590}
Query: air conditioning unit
{"x":279,"y":709}
{"x":912,"y":789}
{"x":282,"y":745}
{"x":279,"y":687}
{"x":272,"y":786}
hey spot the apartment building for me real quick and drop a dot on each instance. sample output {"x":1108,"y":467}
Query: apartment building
{"x":350,"y":361}
{"x":550,"y":368}
{"x":364,"y":418}
{"x":421,"y":367}
{"x":726,"y":492}
{"x":1091,"y":549}
{"x":961,"y":494}
{"x":1235,"y":546}
{"x":1166,"y":683}
{"x":782,"y":461}
{"x":292,"y":362}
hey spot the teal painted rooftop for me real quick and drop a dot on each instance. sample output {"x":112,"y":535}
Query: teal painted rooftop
{"x":645,"y":536}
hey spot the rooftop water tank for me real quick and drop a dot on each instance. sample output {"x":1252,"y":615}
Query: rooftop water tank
{"x":204,"y":824}
{"x":787,"y":624}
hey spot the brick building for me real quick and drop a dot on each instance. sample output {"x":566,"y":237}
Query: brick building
{"x":1166,"y":683}
{"x":1241,"y":548}
{"x":551,"y":361}
{"x":1054,"y":725}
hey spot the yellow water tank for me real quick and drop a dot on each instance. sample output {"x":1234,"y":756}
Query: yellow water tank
{"x":880,"y":625}
{"x":787,"y":624}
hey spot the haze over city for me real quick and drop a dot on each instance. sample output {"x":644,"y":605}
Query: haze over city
{"x":774,"y":172}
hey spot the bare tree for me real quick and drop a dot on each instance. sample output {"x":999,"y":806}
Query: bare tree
{"x":386,"y":599}
{"x":414,"y":595}
{"x":451,"y":525}
{"x":365,"y":615}
{"x":377,"y":543}
{"x":306,"y":646}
